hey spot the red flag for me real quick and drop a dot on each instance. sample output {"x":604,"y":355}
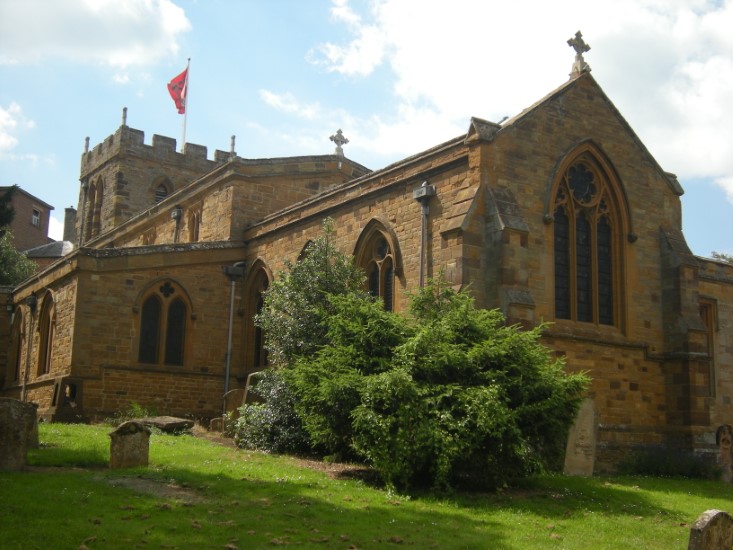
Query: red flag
{"x":177,"y":89}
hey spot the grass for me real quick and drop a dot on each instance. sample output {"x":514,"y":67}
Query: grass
{"x":198,"y":494}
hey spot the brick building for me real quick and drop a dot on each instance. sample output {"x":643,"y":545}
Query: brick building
{"x":30,"y":224}
{"x":558,"y":214}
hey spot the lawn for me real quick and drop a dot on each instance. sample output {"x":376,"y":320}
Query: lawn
{"x":198,"y":493}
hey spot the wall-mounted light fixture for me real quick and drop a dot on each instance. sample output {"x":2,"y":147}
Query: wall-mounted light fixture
{"x":31,"y":301}
{"x":176,"y":213}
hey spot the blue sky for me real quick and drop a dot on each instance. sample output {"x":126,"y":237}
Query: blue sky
{"x":398,"y":76}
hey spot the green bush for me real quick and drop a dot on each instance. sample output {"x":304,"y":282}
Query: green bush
{"x":328,"y":386}
{"x":453,"y":397}
{"x":450,"y":395}
{"x":272,"y":425}
{"x":469,"y":400}
{"x":296,"y":306}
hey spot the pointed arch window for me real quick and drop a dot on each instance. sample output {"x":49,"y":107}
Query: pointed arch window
{"x":163,"y":326}
{"x":161,"y":188}
{"x":586,"y":244}
{"x":194,"y":224}
{"x":256,"y":357}
{"x":46,"y":330}
{"x":93,"y":221}
{"x":377,"y":257}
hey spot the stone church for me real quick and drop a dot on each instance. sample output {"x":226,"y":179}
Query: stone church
{"x":559,"y":214}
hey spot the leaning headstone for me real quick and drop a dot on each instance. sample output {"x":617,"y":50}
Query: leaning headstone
{"x":18,"y":432}
{"x":580,"y":452}
{"x":249,"y":395}
{"x":130,"y":445}
{"x":167,"y":424}
{"x":713,"y":530}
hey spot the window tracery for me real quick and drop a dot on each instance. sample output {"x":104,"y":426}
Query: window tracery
{"x":586,"y":259}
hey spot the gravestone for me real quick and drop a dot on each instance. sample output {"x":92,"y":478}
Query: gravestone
{"x":130,"y":445}
{"x":167,"y":424}
{"x":724,"y":440}
{"x":18,"y":432}
{"x":580,"y":452}
{"x":232,"y":401}
{"x":713,"y":530}
{"x":250,"y":396}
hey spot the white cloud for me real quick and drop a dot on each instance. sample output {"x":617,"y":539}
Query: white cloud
{"x":12,"y":120}
{"x":666,"y":64}
{"x":287,"y":103}
{"x":118,"y":33}
{"x":360,"y":57}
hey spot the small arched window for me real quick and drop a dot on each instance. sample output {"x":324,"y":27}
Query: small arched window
{"x":46,"y":330}
{"x":257,"y":283}
{"x":194,"y":224}
{"x":586,"y":244}
{"x":161,"y":192}
{"x":93,"y":221}
{"x":163,"y":326}
{"x":375,"y":254}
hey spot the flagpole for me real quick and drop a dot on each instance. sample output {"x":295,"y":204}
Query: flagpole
{"x":185,"y":103}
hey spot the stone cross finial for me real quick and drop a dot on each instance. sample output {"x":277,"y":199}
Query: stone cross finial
{"x":580,"y":47}
{"x":339,"y":139}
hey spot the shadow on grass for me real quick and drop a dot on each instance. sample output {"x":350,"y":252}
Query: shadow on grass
{"x":197,"y":494}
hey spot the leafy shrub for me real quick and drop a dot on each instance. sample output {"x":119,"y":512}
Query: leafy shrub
{"x":328,"y":386}
{"x":661,"y":462}
{"x":469,"y":400}
{"x":296,"y":306}
{"x":272,"y":425}
{"x":456,"y":396}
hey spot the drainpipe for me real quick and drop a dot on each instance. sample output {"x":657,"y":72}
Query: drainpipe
{"x":234,"y":272}
{"x":422,"y":195}
{"x":82,"y":225}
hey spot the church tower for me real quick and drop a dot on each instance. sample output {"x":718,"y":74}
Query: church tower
{"x":122,"y":177}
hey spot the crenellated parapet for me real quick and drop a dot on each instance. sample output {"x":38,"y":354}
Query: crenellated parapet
{"x":123,"y":176}
{"x":130,"y":141}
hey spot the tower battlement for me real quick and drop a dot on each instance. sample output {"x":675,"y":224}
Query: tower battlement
{"x":127,"y":140}
{"x":122,"y":176}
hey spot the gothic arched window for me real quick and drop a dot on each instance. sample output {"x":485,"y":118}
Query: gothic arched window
{"x":95,"y":196}
{"x":46,"y":331}
{"x":257,"y":287}
{"x":163,"y":325}
{"x":586,"y":244}
{"x":161,"y":188}
{"x":376,"y":255}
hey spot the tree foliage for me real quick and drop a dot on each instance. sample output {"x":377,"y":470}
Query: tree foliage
{"x":723,"y":257}
{"x":7,"y":212}
{"x":14,"y":265}
{"x":272,"y":424}
{"x":296,"y":306}
{"x":452,"y":396}
{"x":446,"y":396}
